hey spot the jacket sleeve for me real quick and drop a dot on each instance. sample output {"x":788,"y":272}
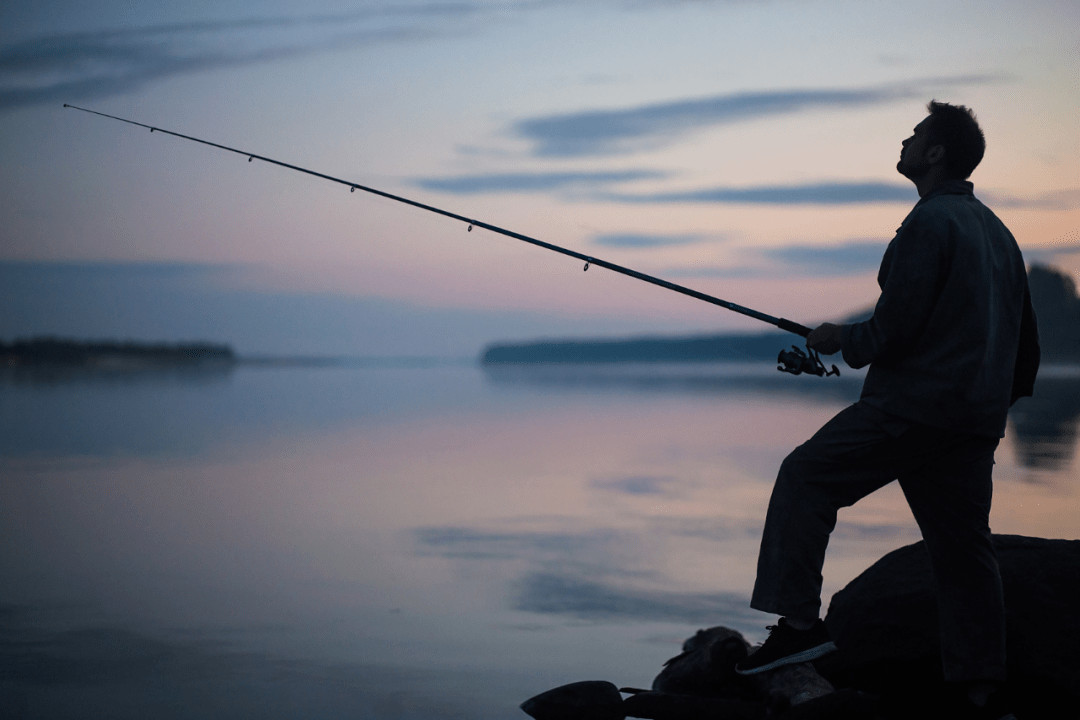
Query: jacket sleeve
{"x":1027,"y":353}
{"x":911,"y":277}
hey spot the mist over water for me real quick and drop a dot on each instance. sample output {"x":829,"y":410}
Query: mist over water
{"x":425,"y":541}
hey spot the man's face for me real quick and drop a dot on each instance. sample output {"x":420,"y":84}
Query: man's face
{"x":913,"y":162}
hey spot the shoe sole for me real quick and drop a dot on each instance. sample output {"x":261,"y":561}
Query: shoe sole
{"x":804,"y":656}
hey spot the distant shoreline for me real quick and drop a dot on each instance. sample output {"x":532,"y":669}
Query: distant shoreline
{"x":112,"y":355}
{"x":51,"y":354}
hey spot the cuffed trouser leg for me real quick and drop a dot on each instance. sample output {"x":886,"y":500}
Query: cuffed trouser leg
{"x":833,"y":469}
{"x":946,"y":478}
{"x":951,"y":503}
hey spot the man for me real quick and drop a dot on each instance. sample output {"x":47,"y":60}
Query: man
{"x":951,"y":345}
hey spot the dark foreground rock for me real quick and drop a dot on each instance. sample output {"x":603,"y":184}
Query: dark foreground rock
{"x":885,"y":624}
{"x":888,"y":663}
{"x":586,"y":700}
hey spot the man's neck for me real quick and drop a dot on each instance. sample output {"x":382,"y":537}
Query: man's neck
{"x":933,"y":179}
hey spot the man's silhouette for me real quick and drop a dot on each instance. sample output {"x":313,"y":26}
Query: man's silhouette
{"x":951,"y":345}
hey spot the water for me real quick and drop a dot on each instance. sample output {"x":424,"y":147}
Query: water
{"x":414,"y":541}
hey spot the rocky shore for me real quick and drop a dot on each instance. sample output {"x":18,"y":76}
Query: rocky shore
{"x":887,"y":666}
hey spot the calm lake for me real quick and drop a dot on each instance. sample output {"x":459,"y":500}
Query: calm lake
{"x":415,"y":540}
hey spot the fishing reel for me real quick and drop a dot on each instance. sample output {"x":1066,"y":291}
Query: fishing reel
{"x":797,"y":362}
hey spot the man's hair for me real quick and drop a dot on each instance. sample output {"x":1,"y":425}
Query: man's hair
{"x":955,"y":127}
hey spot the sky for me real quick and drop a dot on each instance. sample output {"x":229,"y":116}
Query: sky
{"x":744,"y":148}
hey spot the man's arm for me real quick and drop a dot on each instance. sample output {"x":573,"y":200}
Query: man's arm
{"x":1027,"y":353}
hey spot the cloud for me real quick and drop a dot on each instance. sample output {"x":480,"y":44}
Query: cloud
{"x":73,"y":66}
{"x":822,"y":193}
{"x":531,"y":182}
{"x":604,"y":132}
{"x":638,"y":485}
{"x":853,"y":257}
{"x":846,"y":258}
{"x":1068,"y":199}
{"x":637,"y":240}
{"x":1067,"y":244}
{"x":843,"y":259}
{"x":819,"y":193}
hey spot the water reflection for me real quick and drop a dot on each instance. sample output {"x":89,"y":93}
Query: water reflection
{"x":680,"y":379}
{"x":112,"y":672}
{"x":399,"y":542}
{"x":78,"y":412}
{"x":1045,"y":425}
{"x":46,"y":376}
{"x":54,"y":413}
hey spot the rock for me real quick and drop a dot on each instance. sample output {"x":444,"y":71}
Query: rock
{"x":587,"y":700}
{"x":706,"y":667}
{"x":888,"y":664}
{"x":665,"y":706}
{"x":792,"y":685}
{"x":885,"y":624}
{"x":839,"y":705}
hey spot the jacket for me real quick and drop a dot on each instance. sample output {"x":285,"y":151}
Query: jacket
{"x":953,"y":340}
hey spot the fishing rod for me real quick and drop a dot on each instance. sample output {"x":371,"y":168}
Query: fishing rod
{"x":794,"y":361}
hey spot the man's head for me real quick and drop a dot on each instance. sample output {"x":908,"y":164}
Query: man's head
{"x":949,"y":142}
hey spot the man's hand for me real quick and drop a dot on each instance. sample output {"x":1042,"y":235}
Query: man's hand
{"x":825,"y":338}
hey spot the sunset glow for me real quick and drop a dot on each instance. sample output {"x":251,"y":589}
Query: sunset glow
{"x":748,"y":148}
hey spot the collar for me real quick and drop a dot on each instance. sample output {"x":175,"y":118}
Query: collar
{"x":949,"y":187}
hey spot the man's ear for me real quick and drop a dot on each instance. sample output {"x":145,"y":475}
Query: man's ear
{"x":935,"y":153}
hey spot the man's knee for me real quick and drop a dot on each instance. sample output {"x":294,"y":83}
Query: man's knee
{"x":802,"y":463}
{"x":820,"y":485}
{"x":792,"y":478}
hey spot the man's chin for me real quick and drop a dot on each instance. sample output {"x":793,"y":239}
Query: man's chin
{"x":911,"y":173}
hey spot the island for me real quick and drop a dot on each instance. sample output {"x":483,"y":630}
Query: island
{"x":110,"y":354}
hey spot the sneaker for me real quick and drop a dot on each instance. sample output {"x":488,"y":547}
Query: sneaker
{"x":785,"y":646}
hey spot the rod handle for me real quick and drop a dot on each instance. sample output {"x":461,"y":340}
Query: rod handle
{"x":793,"y":327}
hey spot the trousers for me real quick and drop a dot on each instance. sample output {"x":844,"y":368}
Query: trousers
{"x":946,"y":480}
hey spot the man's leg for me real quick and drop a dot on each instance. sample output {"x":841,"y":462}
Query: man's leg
{"x":849,"y":458}
{"x":950,"y":499}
